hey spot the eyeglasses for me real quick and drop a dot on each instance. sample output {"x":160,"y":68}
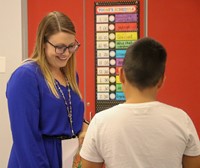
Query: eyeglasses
{"x":62,"y":48}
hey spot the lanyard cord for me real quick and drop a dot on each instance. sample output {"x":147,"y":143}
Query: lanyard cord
{"x":68,"y":105}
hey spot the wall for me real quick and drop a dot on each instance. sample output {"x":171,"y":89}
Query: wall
{"x":176,"y":25}
{"x":11,"y":49}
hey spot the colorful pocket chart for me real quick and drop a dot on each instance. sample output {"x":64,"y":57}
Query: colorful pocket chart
{"x":116,"y":28}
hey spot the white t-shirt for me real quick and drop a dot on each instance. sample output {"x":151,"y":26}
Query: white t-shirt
{"x":143,"y":135}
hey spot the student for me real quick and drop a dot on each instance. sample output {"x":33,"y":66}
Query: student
{"x":44,"y":99}
{"x":142,"y":132}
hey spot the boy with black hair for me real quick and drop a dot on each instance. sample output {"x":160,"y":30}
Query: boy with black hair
{"x":142,"y":132}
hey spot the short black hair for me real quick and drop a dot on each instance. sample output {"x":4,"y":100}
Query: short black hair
{"x":144,"y":63}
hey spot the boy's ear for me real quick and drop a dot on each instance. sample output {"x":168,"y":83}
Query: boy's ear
{"x":161,"y":82}
{"x":121,"y":75}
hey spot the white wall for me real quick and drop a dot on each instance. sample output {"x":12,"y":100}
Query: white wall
{"x":11,"y":50}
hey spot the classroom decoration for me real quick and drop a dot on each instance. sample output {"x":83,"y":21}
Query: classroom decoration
{"x":116,"y":27}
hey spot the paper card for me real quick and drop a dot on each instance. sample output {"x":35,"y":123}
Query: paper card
{"x":125,"y":26}
{"x":123,"y":44}
{"x":103,"y":62}
{"x":101,"y":27}
{"x":126,"y":36}
{"x":119,"y":61}
{"x":102,"y":36}
{"x":103,"y":71}
{"x":102,"y":53}
{"x":101,"y":18}
{"x":118,"y":79}
{"x":2,"y":64}
{"x":112,"y":62}
{"x":120,"y":96}
{"x":103,"y":79}
{"x":118,"y":70}
{"x":102,"y":96}
{"x":112,"y":53}
{"x":102,"y":88}
{"x":69,"y":150}
{"x":120,"y":53}
{"x":119,"y":87}
{"x":102,"y":45}
{"x":112,"y":96}
{"x":112,"y":79}
{"x":112,"y":70}
{"x":116,"y":9}
{"x":126,"y":18}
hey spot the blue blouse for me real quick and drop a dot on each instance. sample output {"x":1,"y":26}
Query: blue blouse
{"x":34,"y":111}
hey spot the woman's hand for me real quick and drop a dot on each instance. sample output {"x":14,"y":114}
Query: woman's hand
{"x":81,"y":137}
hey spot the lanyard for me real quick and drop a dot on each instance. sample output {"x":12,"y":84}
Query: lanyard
{"x":68,"y":105}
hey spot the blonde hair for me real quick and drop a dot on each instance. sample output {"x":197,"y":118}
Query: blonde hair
{"x":53,"y":23}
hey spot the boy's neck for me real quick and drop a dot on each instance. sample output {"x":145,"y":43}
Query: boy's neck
{"x":134,"y":95}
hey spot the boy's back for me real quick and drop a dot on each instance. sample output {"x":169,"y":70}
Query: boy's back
{"x":141,"y":135}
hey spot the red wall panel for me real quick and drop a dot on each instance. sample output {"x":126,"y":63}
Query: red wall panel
{"x":176,"y":25}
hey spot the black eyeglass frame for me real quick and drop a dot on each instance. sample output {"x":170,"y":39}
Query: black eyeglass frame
{"x":77,"y":44}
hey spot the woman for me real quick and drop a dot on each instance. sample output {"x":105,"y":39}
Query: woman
{"x":44,"y":100}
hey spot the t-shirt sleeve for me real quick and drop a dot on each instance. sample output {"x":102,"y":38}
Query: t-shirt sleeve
{"x":89,"y":150}
{"x":193,"y":143}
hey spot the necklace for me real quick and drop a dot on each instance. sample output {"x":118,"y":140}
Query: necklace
{"x":68,"y":105}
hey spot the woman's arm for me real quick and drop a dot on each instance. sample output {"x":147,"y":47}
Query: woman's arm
{"x":83,"y":132}
{"x":23,"y":103}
